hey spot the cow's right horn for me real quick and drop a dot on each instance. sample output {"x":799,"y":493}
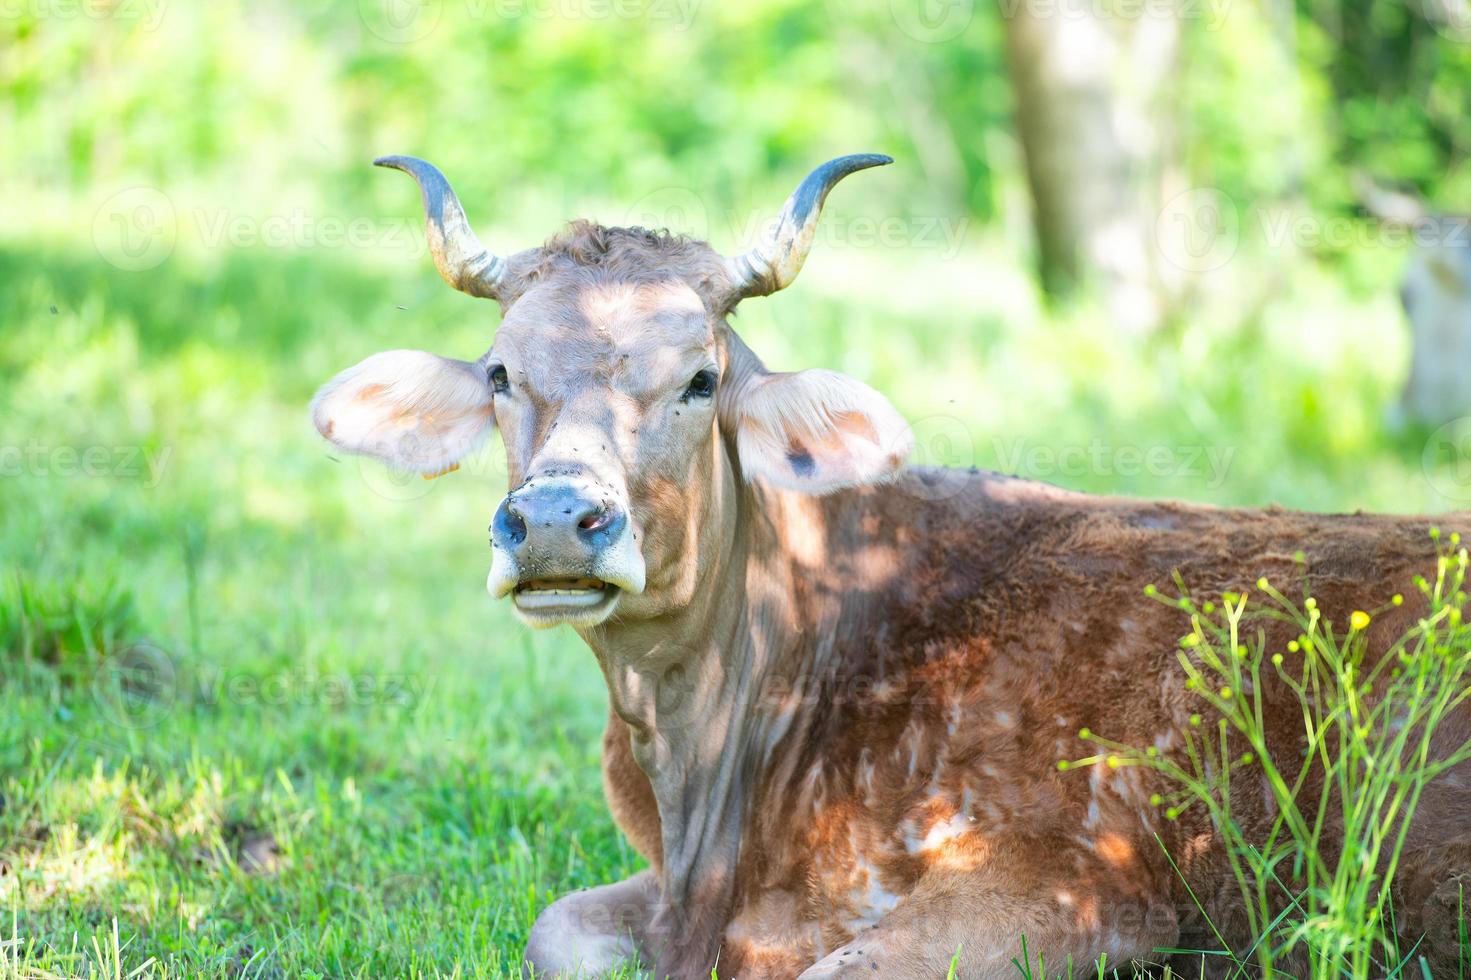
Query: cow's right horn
{"x":774,"y":263}
{"x":458,"y":255}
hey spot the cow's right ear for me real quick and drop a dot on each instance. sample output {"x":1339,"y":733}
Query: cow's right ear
{"x":819,"y":431}
{"x":414,"y":411}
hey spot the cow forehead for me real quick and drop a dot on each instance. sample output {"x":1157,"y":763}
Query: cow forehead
{"x":630,"y":333}
{"x":622,"y":308}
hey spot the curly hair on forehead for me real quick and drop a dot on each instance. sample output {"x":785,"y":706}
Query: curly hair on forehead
{"x":636,"y":254}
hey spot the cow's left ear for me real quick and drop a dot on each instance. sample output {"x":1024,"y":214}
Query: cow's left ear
{"x":818,"y":431}
{"x":415,"y":411}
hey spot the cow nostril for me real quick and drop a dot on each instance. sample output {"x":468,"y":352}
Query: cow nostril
{"x":508,"y":525}
{"x":599,"y":518}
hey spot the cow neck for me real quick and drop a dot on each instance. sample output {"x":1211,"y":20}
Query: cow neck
{"x":688,"y":685}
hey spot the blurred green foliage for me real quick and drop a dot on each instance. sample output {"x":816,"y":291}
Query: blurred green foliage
{"x":575,"y":98}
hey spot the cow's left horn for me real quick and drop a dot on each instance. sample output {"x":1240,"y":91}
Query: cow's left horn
{"x":774,"y":263}
{"x":458,"y":255}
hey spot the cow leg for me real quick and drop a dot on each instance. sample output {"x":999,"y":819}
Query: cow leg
{"x":593,"y":932}
{"x":976,"y":922}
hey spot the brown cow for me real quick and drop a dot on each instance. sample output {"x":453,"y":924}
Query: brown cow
{"x":839,"y":689}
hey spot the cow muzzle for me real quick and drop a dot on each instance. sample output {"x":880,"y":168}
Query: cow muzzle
{"x":564,"y":550}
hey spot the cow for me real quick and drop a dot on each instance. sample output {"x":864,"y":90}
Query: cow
{"x":839,"y":687}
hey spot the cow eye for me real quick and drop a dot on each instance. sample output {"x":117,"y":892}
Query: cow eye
{"x":702,"y":385}
{"x":499,"y":380}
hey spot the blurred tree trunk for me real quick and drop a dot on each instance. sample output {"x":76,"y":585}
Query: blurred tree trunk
{"x":1436,"y":295}
{"x":1090,"y":114}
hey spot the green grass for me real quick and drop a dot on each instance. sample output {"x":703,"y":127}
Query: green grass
{"x":257,"y":715}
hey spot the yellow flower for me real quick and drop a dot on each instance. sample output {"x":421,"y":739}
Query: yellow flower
{"x":1359,"y":619}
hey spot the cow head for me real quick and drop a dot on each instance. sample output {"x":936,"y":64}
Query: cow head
{"x":630,"y":411}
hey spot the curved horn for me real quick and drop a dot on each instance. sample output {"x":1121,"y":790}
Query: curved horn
{"x":774,"y":263}
{"x":458,"y":255}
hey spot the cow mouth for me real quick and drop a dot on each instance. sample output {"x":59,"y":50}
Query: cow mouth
{"x":563,"y":598}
